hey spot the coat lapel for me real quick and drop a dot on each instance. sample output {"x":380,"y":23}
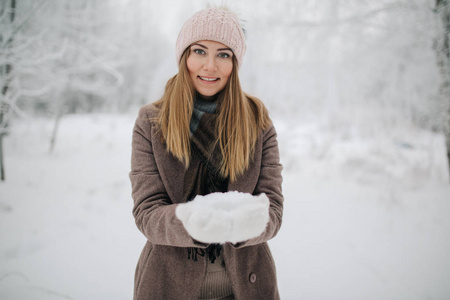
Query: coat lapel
{"x":246,"y":183}
{"x":170,"y":169}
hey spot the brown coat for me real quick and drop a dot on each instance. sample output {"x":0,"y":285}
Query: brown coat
{"x":163,"y":270}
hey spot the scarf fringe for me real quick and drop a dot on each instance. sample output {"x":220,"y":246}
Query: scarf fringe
{"x":212,"y":252}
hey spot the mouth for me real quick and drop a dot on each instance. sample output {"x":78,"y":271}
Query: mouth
{"x":209,"y":79}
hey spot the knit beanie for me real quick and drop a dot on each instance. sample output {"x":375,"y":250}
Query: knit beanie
{"x":212,"y":24}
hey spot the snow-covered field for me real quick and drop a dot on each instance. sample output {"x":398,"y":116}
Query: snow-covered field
{"x":365,"y":218}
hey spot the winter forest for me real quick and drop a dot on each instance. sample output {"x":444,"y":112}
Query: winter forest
{"x":359,"y":92}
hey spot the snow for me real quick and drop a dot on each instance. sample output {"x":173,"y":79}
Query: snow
{"x":366,"y":216}
{"x":225,"y":217}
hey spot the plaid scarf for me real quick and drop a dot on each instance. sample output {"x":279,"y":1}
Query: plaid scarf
{"x":202,"y":176}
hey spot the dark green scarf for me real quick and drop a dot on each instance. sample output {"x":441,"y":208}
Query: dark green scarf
{"x":202,"y":176}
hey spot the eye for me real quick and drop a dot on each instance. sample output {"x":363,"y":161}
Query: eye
{"x":199,"y":51}
{"x":224,"y":55}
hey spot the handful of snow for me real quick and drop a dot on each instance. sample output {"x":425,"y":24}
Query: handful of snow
{"x":225,"y":217}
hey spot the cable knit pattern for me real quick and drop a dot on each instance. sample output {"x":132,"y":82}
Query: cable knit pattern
{"x":213,"y":24}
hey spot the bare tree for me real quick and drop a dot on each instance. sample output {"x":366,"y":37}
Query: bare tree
{"x":18,"y":56}
{"x":87,"y":72}
{"x":66,"y":57}
{"x":442,"y":46}
{"x":7,"y":16}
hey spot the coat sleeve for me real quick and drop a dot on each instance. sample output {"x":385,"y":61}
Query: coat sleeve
{"x":153,"y":210}
{"x":269,"y":182}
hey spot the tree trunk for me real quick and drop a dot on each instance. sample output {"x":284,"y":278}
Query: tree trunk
{"x":5,"y":72}
{"x":59,"y":114}
{"x":2,"y":166}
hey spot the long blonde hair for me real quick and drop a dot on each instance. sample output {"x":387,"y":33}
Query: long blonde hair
{"x":240,"y":120}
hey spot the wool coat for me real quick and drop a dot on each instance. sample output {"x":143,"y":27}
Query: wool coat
{"x":164,"y":270}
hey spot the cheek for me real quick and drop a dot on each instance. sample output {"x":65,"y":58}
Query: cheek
{"x":189,"y":65}
{"x":227,"y":70}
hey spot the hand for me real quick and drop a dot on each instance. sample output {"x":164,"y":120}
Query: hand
{"x":225,"y":217}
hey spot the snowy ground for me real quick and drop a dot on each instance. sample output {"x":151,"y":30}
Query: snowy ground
{"x":364,"y":218}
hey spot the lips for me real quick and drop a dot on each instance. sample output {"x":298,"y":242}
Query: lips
{"x":209,"y":79}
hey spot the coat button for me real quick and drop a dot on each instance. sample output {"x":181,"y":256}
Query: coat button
{"x":252,"y":278}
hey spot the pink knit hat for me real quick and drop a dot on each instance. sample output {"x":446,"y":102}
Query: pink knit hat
{"x":212,"y":24}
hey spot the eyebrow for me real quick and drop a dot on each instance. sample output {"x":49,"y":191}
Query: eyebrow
{"x":203,"y":46}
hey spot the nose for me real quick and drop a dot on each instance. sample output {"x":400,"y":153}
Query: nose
{"x":210,"y":63}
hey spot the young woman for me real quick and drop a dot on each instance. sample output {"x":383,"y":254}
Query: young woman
{"x":206,"y":177}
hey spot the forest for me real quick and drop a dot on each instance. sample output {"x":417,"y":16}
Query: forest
{"x":355,"y":63}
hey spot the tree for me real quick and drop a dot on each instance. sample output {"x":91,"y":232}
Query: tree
{"x":7,"y":17}
{"x":442,"y":46}
{"x":15,"y":60}
{"x":61,"y":56}
{"x":86,"y":74}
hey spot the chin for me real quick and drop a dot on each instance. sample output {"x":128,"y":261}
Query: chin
{"x":208,"y":94}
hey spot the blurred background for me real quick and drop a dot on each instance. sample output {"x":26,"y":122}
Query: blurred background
{"x":358,"y":91}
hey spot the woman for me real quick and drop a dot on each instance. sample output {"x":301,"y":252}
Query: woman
{"x":206,"y":177}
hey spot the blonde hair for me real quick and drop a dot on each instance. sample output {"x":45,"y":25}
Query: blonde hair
{"x":239,"y":123}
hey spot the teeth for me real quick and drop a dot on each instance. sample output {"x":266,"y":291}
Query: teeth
{"x":208,"y":79}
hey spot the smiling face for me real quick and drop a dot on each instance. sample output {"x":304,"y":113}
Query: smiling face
{"x":209,"y":65}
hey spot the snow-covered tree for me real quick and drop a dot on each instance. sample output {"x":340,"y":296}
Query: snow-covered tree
{"x":7,"y":18}
{"x":14,"y":17}
{"x":442,"y":46}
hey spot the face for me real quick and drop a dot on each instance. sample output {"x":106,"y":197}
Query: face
{"x":209,"y":65}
